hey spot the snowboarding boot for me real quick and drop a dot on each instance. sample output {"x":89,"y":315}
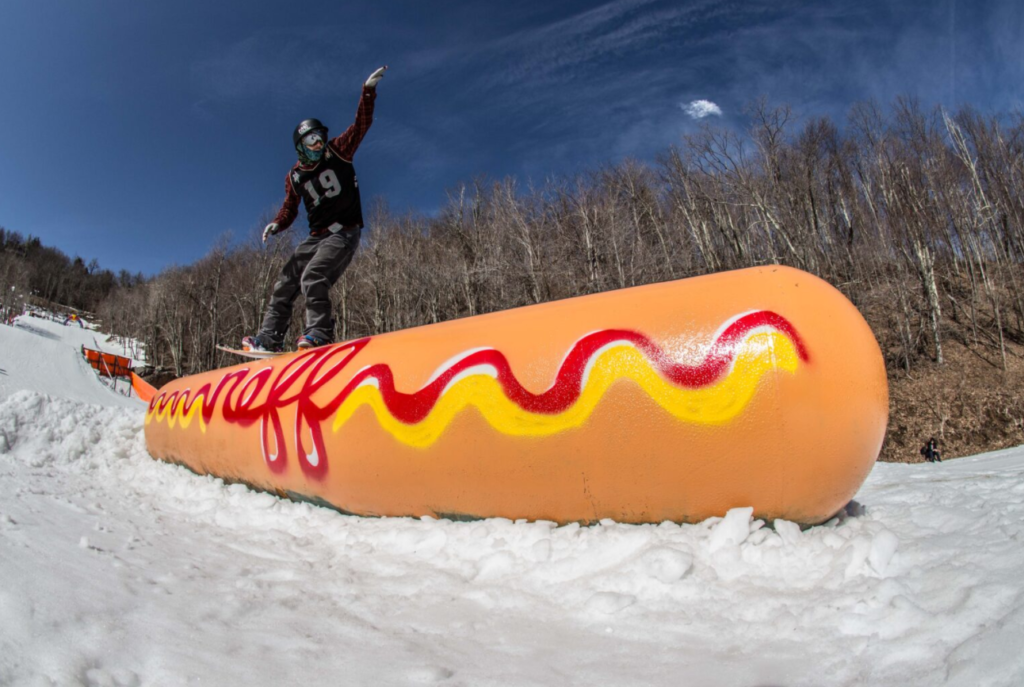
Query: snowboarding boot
{"x":310,"y":341}
{"x":253,"y":343}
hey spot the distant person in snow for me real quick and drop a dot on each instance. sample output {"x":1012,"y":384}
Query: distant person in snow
{"x":326,"y":181}
{"x":931,"y":452}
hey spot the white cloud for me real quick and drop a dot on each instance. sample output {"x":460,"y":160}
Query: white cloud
{"x":698,"y":109}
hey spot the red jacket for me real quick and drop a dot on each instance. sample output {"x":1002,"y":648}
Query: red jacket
{"x":345,"y":145}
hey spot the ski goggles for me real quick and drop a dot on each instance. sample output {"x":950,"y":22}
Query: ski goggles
{"x":312,"y":138}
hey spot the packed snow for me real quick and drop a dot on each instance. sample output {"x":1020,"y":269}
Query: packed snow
{"x":119,"y":570}
{"x":44,"y":355}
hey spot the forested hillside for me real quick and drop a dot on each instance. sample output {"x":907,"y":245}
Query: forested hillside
{"x":916,"y":215}
{"x":29,"y":269}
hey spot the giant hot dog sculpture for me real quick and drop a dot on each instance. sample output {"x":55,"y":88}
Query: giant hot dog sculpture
{"x":676,"y":401}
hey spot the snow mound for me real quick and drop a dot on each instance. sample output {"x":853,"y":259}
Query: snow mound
{"x":122,"y":570}
{"x":46,"y":357}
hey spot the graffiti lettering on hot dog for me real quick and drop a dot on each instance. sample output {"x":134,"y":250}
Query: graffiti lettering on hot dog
{"x":712,"y":392}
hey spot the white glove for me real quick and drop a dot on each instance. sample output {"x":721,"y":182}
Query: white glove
{"x":375,"y":77}
{"x":270,"y":230}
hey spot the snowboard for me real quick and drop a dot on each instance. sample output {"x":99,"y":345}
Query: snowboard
{"x":257,"y":355}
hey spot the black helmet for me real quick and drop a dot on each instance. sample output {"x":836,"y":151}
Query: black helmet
{"x":304,"y":127}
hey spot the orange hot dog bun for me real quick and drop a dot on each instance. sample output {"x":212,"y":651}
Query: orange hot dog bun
{"x":677,"y":401}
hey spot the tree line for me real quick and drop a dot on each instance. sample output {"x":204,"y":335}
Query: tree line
{"x":30,"y":270}
{"x":916,"y":214}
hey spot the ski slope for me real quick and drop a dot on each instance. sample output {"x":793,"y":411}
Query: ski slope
{"x":46,"y":356}
{"x":121,"y":570}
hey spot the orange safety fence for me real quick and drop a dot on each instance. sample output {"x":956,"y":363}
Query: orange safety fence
{"x":108,"y":364}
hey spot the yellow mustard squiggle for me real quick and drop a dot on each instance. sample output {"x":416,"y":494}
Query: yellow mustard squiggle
{"x":759,"y":354}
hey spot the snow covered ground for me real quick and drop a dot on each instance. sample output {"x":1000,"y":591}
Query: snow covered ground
{"x":118,"y":570}
{"x":45,"y":356}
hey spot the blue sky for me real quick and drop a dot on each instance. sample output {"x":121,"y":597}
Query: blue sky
{"x":138,"y":133}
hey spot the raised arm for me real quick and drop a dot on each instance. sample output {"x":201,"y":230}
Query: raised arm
{"x":347,"y":144}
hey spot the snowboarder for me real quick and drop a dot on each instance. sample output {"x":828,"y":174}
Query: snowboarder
{"x":931,"y":452}
{"x":326,"y":181}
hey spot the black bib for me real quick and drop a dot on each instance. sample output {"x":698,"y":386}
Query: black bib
{"x":330,"y":192}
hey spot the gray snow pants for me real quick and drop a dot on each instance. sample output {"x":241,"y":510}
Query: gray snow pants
{"x":316,"y":264}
